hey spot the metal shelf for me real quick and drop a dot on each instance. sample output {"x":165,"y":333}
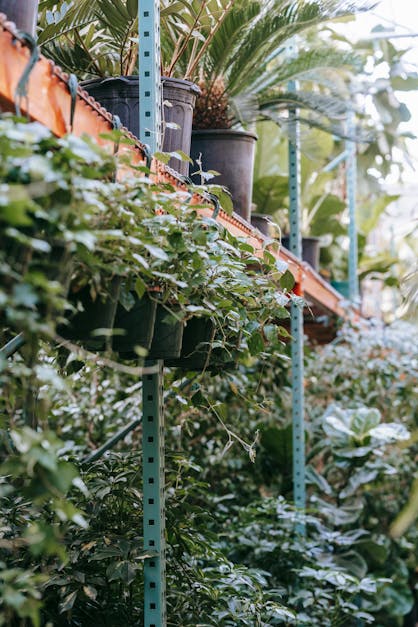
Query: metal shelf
{"x":49,"y":102}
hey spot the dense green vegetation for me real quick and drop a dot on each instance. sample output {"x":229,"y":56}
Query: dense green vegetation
{"x":71,"y":541}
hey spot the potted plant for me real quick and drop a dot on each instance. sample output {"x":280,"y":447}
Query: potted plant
{"x":24,"y":13}
{"x":243,"y":76}
{"x":98,"y":40}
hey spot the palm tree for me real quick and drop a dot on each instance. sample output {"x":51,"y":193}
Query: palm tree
{"x":245,"y":71}
{"x":237,"y":50}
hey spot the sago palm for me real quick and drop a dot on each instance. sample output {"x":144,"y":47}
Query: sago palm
{"x":237,"y":50}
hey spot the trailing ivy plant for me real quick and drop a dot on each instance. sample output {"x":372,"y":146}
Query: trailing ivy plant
{"x":67,"y":222}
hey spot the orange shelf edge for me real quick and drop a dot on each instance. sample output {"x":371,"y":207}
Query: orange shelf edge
{"x":49,"y":102}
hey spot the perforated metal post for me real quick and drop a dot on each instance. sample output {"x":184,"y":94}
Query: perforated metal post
{"x":149,"y":73}
{"x":351,"y":197}
{"x":154,"y":499}
{"x":153,"y":416}
{"x":298,"y":417}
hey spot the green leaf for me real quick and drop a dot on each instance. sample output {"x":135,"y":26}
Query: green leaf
{"x":123,"y":571}
{"x":287,"y":281}
{"x":68,"y":602}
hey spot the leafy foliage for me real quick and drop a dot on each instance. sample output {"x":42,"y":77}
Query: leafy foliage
{"x":71,"y":537}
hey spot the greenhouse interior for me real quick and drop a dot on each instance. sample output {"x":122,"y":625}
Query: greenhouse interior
{"x":249,"y":457}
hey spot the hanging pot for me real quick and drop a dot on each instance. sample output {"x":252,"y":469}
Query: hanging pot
{"x":148,"y":325}
{"x":24,"y":13}
{"x":310,"y":250}
{"x":137,"y":326}
{"x":198,"y":351}
{"x":120,"y":96}
{"x":232,"y":154}
{"x":91,"y":316}
{"x":168,"y":336}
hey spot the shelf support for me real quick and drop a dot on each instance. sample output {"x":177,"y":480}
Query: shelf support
{"x":296,"y":313}
{"x":351,"y":170}
{"x":154,"y":498}
{"x":149,"y":73}
{"x":152,"y":388}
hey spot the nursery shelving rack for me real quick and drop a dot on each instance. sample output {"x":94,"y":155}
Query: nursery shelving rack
{"x":53,"y":98}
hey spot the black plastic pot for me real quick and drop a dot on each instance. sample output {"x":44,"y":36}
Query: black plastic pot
{"x":310,"y":250}
{"x":232,"y":154}
{"x":265,"y":225}
{"x":198,"y":352}
{"x":24,"y":13}
{"x":168,"y":336}
{"x":120,"y":96}
{"x":137,"y":325}
{"x":83,"y":326}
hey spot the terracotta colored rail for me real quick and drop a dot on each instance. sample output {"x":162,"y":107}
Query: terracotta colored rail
{"x":49,"y":102}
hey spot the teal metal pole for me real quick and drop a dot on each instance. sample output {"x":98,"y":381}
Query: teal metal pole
{"x":149,"y":73}
{"x":152,"y":385}
{"x":351,"y":197}
{"x":298,"y":418}
{"x":154,"y":499}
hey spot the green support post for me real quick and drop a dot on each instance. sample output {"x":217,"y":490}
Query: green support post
{"x":149,"y":73}
{"x":154,"y":499}
{"x":351,"y":197}
{"x":298,"y":418}
{"x":152,"y":389}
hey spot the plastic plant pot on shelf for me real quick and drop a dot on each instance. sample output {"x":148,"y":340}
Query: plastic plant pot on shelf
{"x":148,"y":325}
{"x":119,"y":95}
{"x":198,"y":351}
{"x":231,"y":153}
{"x":91,"y":321}
{"x":23,"y":13}
{"x":310,"y":250}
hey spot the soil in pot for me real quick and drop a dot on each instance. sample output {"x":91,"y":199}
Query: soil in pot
{"x":310,"y":250}
{"x":120,"y":96}
{"x":232,"y":154}
{"x":24,"y":13}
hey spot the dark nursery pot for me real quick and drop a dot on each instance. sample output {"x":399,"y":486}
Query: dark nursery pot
{"x":266,"y":226}
{"x":232,"y":154}
{"x":120,"y":96}
{"x":97,"y":314}
{"x":168,"y":336}
{"x":150,"y":326}
{"x":310,"y":250}
{"x":24,"y":13}
{"x":197,"y":351}
{"x":196,"y":346}
{"x":137,"y":325}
